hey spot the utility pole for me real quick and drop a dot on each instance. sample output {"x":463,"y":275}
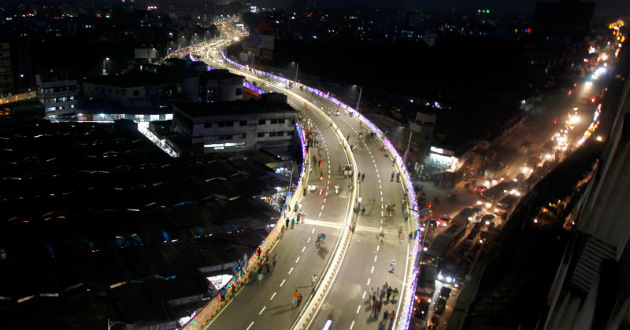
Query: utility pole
{"x":408,"y":145}
{"x":359,"y":100}
{"x":296,"y":71}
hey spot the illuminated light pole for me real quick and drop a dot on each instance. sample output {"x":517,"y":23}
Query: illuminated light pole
{"x":105,"y":61}
{"x":408,"y":145}
{"x":297,"y":68}
{"x":359,"y":100}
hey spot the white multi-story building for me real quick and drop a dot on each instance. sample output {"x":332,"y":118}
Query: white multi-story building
{"x":234,"y":126}
{"x":57,"y":92}
{"x":130,"y":90}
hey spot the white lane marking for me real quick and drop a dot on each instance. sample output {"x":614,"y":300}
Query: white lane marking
{"x":358,"y":309}
{"x":363,"y":296}
{"x":312,"y":231}
{"x":381,"y":199}
{"x":380,"y":187}
{"x":250,"y":325}
{"x":324,"y":200}
{"x":378,"y":247}
{"x":351,"y":324}
{"x":377,"y":170}
{"x":296,"y":261}
{"x":323,"y":205}
{"x":381,"y":193}
{"x":372,"y":271}
{"x":379,"y":177}
{"x":320,"y":214}
{"x":291,"y":270}
{"x":262,"y":310}
{"x":281,"y":284}
{"x":308,"y":240}
{"x":303,"y":248}
{"x":368,"y":282}
{"x":375,"y":257}
{"x":273,"y":296}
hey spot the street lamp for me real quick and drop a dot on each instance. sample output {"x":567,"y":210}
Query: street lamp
{"x":359,"y":100}
{"x":297,"y":68}
{"x":105,"y":65}
{"x":408,"y":145}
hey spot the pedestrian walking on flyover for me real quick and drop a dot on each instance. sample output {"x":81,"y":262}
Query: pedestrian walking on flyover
{"x":375,"y":309}
{"x":299,"y":299}
{"x":395,"y":294}
{"x":381,"y":326}
{"x":392,"y":317}
{"x":392,"y":178}
{"x":292,"y":223}
{"x":362,"y":177}
{"x":389,"y":293}
{"x":286,"y":222}
{"x":397,"y":177}
{"x":363,"y":210}
{"x":296,"y":295}
{"x":381,"y":294}
{"x":385,"y":316}
{"x":392,"y":266}
{"x":313,"y":280}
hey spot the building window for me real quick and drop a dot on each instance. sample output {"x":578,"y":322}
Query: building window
{"x":243,"y":122}
{"x":262,"y":121}
{"x":221,"y":124}
{"x":260,"y":135}
{"x":207,"y":125}
{"x":229,"y":124}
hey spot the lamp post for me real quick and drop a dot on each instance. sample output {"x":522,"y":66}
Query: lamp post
{"x":105,"y":65}
{"x":359,"y":100}
{"x":408,"y":145}
{"x":297,"y":68}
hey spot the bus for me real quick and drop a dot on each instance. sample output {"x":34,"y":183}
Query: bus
{"x":445,"y":241}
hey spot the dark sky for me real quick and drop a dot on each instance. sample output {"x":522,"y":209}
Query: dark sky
{"x":603,"y":7}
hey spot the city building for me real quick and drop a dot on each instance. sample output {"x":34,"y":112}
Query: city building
{"x":130,"y":90}
{"x":20,"y":112}
{"x":57,"y":92}
{"x":231,"y":126}
{"x":98,"y":223}
{"x":6,"y":72}
{"x":213,"y":86}
{"x":592,"y":284}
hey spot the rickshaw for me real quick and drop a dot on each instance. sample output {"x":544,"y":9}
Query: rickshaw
{"x":321,"y":239}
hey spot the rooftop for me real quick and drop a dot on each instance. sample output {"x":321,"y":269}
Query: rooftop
{"x":271,"y":102}
{"x":132,"y":79}
{"x":93,"y":210}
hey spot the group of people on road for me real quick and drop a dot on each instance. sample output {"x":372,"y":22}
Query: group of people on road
{"x":394,"y":174}
{"x":378,"y":298}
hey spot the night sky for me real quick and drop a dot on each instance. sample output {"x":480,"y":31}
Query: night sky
{"x":603,"y":7}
